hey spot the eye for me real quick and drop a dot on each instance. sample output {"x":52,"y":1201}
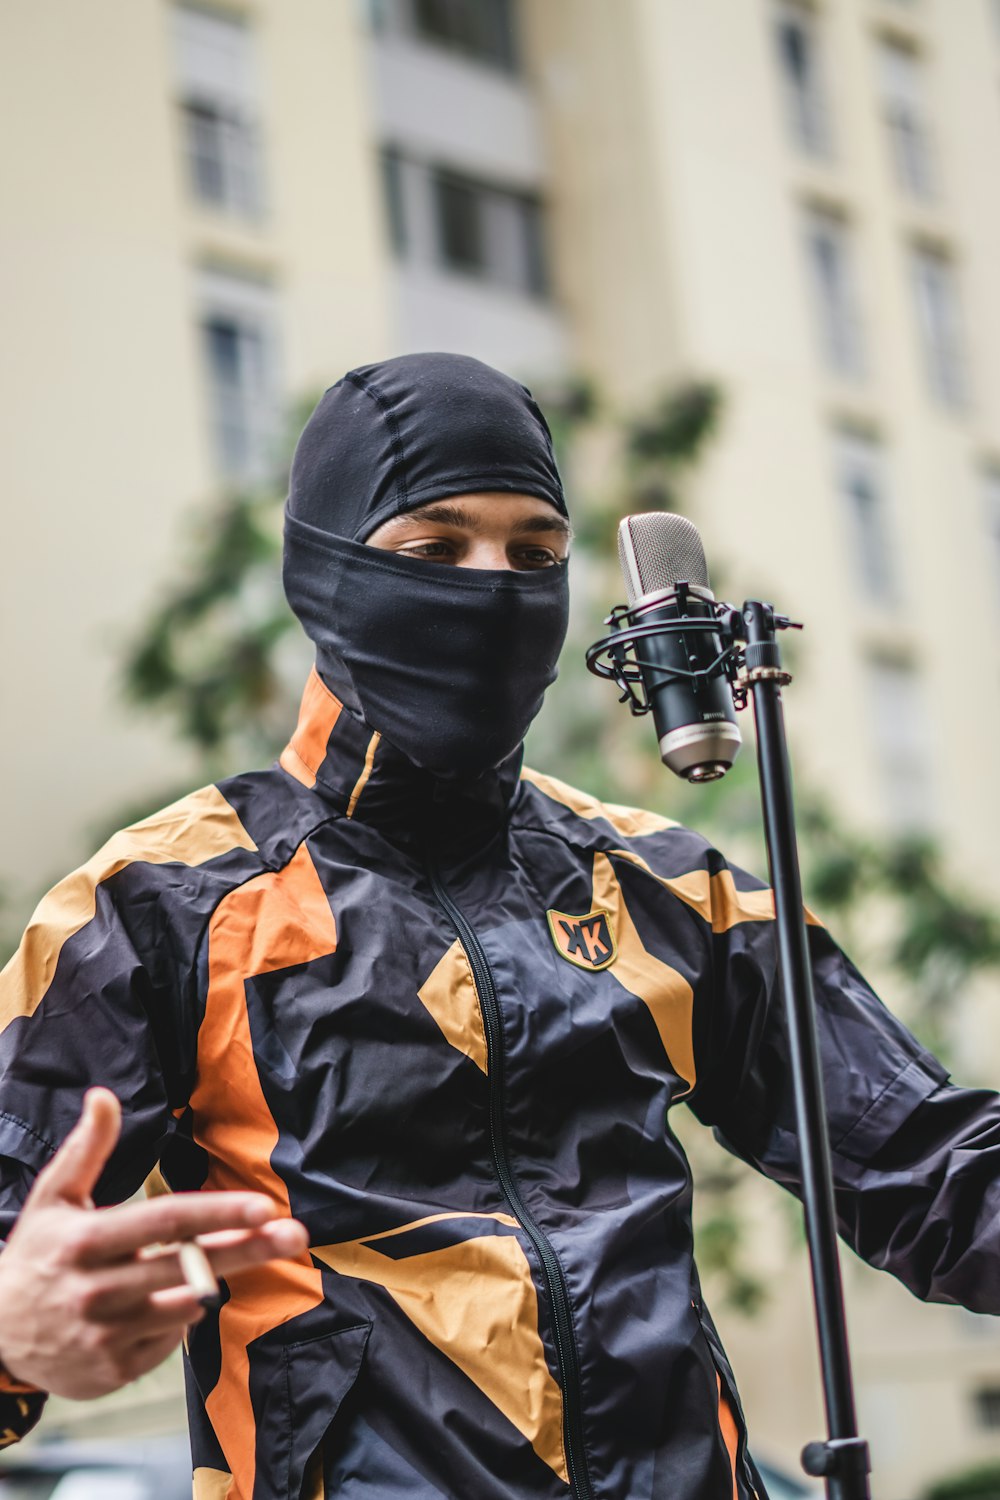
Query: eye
{"x":535,"y":557}
{"x":431,"y":551}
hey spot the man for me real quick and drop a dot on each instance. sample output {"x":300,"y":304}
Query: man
{"x":436,"y":1009}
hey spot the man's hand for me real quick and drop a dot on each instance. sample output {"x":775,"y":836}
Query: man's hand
{"x":84,"y":1306}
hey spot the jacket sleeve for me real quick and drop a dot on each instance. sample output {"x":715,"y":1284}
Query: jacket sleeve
{"x":95,"y":994}
{"x":20,"y":1405}
{"x":20,"y":1408}
{"x":105,"y":988}
{"x":78,"y":1006}
{"x":916,"y":1161}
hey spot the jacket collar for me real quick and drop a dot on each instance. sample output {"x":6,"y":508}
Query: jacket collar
{"x":334,"y":752}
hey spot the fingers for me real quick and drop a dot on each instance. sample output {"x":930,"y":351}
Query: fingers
{"x":120,"y":1291}
{"x":145,"y":1355}
{"x":112,"y":1234}
{"x":172,"y":1312}
{"x":71,"y":1174}
{"x":178,"y":1303}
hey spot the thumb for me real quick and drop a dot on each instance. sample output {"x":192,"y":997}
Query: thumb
{"x":71,"y":1174}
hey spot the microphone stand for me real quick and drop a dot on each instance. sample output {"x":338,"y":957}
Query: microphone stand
{"x":842,"y":1460}
{"x":751,"y":659}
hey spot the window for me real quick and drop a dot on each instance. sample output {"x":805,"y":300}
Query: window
{"x":480,"y":29}
{"x":239,"y":344}
{"x":490,"y":232}
{"x":990,"y":480}
{"x":901,"y":83}
{"x":219,"y":105}
{"x":901,"y":736}
{"x":797,"y":38}
{"x":378,"y":14}
{"x":393,"y":169}
{"x":830,"y":262}
{"x":936,"y":296}
{"x":447,"y":220}
{"x":461,"y":212}
{"x":986,"y":1407}
{"x":861,"y":482}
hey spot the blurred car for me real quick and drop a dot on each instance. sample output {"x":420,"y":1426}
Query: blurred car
{"x":780,"y":1484}
{"x":114,"y":1469}
{"x":160,"y":1469}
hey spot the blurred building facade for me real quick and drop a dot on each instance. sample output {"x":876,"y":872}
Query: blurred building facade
{"x":212,"y":208}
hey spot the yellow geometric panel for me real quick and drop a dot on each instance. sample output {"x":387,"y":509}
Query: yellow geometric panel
{"x":156,"y":1185}
{"x":715,"y":897}
{"x":476,"y":1302}
{"x":211,"y":1484}
{"x":314,"y":1482}
{"x":449,"y":993}
{"x":666,"y":992}
{"x":630,"y":822}
{"x":366,"y":772}
{"x":188,"y":832}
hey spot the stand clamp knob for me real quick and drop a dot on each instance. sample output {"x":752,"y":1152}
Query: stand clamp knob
{"x":848,"y":1458}
{"x":763,"y":663}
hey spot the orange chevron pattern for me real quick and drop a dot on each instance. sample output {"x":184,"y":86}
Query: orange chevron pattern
{"x":269,"y":923}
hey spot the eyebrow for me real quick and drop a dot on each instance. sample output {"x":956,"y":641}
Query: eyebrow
{"x":449,"y":514}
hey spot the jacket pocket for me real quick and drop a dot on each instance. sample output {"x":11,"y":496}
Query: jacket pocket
{"x":313,"y":1377}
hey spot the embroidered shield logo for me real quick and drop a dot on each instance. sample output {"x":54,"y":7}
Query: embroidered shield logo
{"x":586,"y":941}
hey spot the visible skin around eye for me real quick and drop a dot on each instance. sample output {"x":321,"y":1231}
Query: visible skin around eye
{"x":493,"y":530}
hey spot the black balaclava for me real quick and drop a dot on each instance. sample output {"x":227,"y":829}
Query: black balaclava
{"x":448,"y":664}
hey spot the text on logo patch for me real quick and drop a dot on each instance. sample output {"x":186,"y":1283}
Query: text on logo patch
{"x":586,"y":941}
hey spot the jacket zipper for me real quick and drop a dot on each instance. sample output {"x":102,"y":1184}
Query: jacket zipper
{"x":482,"y":974}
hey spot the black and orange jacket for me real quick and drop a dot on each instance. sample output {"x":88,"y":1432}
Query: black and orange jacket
{"x":446,"y":1032}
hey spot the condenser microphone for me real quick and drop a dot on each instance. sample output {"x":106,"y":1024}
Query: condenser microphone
{"x":695,"y":720}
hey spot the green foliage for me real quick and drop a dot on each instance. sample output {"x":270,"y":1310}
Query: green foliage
{"x":568,"y":406}
{"x":931,"y":936}
{"x":721,"y":1252}
{"x":578,"y":730}
{"x":979,"y":1483}
{"x":207,"y":654}
{"x":9,"y":936}
{"x":210,"y":657}
{"x":673,"y":433}
{"x":720,"y":1220}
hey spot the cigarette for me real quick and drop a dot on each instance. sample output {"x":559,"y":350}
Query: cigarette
{"x":197,"y":1273}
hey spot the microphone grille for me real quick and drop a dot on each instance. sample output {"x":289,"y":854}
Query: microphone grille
{"x":658,"y":549}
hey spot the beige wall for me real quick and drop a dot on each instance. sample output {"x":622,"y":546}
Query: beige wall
{"x":102,"y":438}
{"x":608,"y":220}
{"x":106,"y":437}
{"x":676,"y":204}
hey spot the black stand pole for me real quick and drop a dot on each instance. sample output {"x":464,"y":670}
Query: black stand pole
{"x":843,"y":1459}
